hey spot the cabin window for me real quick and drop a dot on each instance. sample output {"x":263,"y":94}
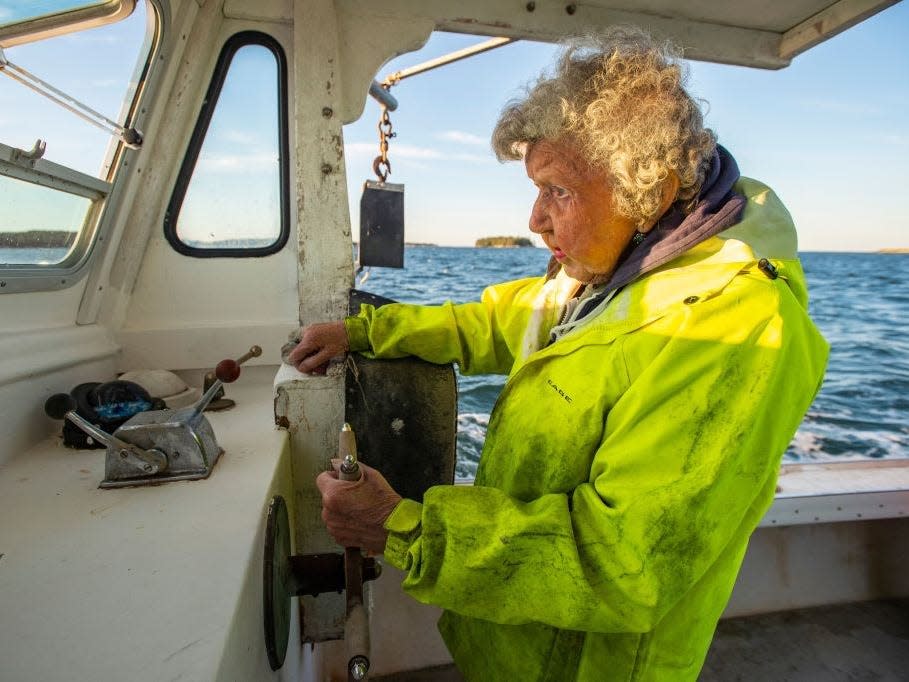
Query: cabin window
{"x":24,"y":22}
{"x":231,"y":196}
{"x":56,"y":167}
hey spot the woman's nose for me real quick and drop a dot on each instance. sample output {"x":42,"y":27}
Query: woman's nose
{"x":539,"y":219}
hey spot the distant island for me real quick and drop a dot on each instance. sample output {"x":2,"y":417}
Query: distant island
{"x":895,"y":250}
{"x":502,"y":242}
{"x":36,"y":239}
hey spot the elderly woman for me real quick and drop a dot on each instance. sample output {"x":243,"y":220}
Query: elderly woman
{"x":656,"y":375}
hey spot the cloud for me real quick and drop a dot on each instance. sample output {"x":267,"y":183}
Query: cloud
{"x":897,"y":139}
{"x":471,"y":158}
{"x":462,"y":137}
{"x":239,"y":136}
{"x":87,"y":38}
{"x":839,"y":106}
{"x":404,"y":151}
{"x":232,"y":163}
{"x":412,"y":153}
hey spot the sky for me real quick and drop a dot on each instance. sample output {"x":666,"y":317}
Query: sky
{"x":830,"y":133}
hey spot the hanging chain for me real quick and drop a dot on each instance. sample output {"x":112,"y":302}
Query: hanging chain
{"x":381,"y":166}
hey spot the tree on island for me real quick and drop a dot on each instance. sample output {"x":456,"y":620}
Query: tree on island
{"x":500,"y":242}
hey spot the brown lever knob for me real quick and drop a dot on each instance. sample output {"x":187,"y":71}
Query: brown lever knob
{"x":228,"y":371}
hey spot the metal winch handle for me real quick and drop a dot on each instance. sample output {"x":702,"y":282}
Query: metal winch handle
{"x":356,"y":626}
{"x":63,"y":406}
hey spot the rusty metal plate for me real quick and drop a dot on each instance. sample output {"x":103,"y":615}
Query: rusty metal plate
{"x":382,"y":225}
{"x":405,"y":414}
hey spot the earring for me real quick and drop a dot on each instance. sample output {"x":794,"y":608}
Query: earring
{"x":638,"y":237}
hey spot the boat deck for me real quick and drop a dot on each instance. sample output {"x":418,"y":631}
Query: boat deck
{"x":848,"y":642}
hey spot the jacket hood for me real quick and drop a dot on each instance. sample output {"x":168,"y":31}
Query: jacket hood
{"x":718,"y":207}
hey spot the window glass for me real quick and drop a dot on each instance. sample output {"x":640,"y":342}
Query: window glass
{"x":99,"y":67}
{"x":16,"y":11}
{"x":230,"y":198}
{"x":49,"y":223}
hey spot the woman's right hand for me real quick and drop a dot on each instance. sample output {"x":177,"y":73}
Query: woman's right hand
{"x":319,"y":343}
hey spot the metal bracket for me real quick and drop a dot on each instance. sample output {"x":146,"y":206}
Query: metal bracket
{"x":35,"y":153}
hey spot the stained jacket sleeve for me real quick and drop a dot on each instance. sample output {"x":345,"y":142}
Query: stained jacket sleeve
{"x":482,"y":337}
{"x":686,"y":467}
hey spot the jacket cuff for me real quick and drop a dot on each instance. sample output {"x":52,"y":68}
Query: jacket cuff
{"x":403,"y":526}
{"x":357,"y":333}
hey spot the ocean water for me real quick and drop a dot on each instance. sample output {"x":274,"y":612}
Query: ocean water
{"x":32,"y":256}
{"x":859,"y":301}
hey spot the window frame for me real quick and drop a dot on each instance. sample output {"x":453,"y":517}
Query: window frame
{"x":171,"y":216}
{"x":60,"y":23}
{"x":32,"y":277}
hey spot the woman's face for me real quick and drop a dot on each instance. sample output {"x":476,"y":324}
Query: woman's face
{"x":574,"y":211}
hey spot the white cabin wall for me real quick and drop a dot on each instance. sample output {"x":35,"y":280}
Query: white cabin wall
{"x":42,"y":352}
{"x":174,"y":311}
{"x":186,"y":312}
{"x":35,"y":364}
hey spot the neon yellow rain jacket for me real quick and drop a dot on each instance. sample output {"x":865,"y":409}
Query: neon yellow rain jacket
{"x":625,"y":465}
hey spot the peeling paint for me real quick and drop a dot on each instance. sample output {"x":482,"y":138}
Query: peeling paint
{"x":476,"y":22}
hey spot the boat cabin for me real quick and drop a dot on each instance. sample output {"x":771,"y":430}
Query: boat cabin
{"x":181,"y":547}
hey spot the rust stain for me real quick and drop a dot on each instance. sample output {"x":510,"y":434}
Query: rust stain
{"x":477,"y":22}
{"x":338,"y":146}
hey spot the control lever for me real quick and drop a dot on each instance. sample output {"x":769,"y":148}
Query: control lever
{"x":356,"y":626}
{"x":158,"y":445}
{"x":63,"y":406}
{"x":226,"y":372}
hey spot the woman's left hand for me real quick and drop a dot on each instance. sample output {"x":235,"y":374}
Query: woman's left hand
{"x":355,"y":511}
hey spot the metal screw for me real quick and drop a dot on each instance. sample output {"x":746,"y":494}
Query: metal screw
{"x":531,"y":6}
{"x":327,"y":112}
{"x":358,"y":669}
{"x":2,"y":284}
{"x":147,"y":468}
{"x":123,"y":454}
{"x":326,"y":168}
{"x":571,"y":9}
